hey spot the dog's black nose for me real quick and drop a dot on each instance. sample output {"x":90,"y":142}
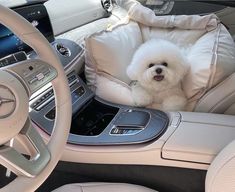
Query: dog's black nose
{"x":158,"y":70}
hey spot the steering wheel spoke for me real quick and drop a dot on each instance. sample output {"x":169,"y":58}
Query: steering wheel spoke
{"x":34,"y":73}
{"x":18,"y":163}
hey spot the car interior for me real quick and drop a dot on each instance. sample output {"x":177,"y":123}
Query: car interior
{"x":68,"y":121}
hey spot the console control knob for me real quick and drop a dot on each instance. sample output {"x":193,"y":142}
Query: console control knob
{"x":64,"y":51}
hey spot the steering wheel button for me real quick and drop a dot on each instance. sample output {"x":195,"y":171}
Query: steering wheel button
{"x":47,"y":72}
{"x":40,"y":76}
{"x":33,"y":80}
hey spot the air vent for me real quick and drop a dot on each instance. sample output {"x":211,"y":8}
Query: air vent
{"x":63,"y":50}
{"x":107,"y":5}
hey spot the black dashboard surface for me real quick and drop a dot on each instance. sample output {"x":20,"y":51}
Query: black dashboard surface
{"x":37,"y":15}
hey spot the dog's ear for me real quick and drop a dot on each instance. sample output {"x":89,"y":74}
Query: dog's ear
{"x":132,"y":73}
{"x":186,"y":65}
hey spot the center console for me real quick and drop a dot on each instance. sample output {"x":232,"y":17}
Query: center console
{"x":136,"y":135}
{"x":180,"y":136}
{"x":97,"y":122}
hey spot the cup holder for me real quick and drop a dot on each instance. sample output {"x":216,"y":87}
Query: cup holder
{"x":93,"y":119}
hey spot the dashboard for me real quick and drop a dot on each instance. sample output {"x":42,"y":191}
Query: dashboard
{"x":37,"y":15}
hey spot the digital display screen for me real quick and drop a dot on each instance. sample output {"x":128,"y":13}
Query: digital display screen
{"x":38,"y":17}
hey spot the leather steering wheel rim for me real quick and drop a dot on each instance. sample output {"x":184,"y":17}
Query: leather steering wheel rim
{"x":31,"y":36}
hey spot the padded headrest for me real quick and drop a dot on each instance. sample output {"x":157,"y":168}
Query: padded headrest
{"x":206,"y":42}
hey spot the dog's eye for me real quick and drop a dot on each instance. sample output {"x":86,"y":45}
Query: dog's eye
{"x":165,"y":64}
{"x":151,"y":65}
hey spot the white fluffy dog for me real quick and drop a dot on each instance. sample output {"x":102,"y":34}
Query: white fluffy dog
{"x":157,"y":69}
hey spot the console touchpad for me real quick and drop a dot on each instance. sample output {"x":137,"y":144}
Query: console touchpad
{"x":135,"y":119}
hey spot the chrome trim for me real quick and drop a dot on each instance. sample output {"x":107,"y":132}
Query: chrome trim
{"x":126,"y":134}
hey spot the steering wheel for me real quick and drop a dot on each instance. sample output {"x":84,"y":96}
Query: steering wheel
{"x":17,"y":83}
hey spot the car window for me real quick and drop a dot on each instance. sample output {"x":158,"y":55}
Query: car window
{"x":161,"y":7}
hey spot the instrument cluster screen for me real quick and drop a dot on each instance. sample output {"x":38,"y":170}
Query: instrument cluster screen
{"x":37,"y":15}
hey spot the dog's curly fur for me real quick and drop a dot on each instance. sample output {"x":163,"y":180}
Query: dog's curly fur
{"x":158,"y":67}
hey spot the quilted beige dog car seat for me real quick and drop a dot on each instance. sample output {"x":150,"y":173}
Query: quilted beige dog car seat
{"x":210,"y":83}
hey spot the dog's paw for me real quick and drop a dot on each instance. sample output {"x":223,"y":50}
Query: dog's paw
{"x":174,"y":103}
{"x":157,"y":106}
{"x":140,"y":96}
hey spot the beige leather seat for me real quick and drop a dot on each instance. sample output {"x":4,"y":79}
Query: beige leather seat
{"x":103,"y":187}
{"x":220,"y":178}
